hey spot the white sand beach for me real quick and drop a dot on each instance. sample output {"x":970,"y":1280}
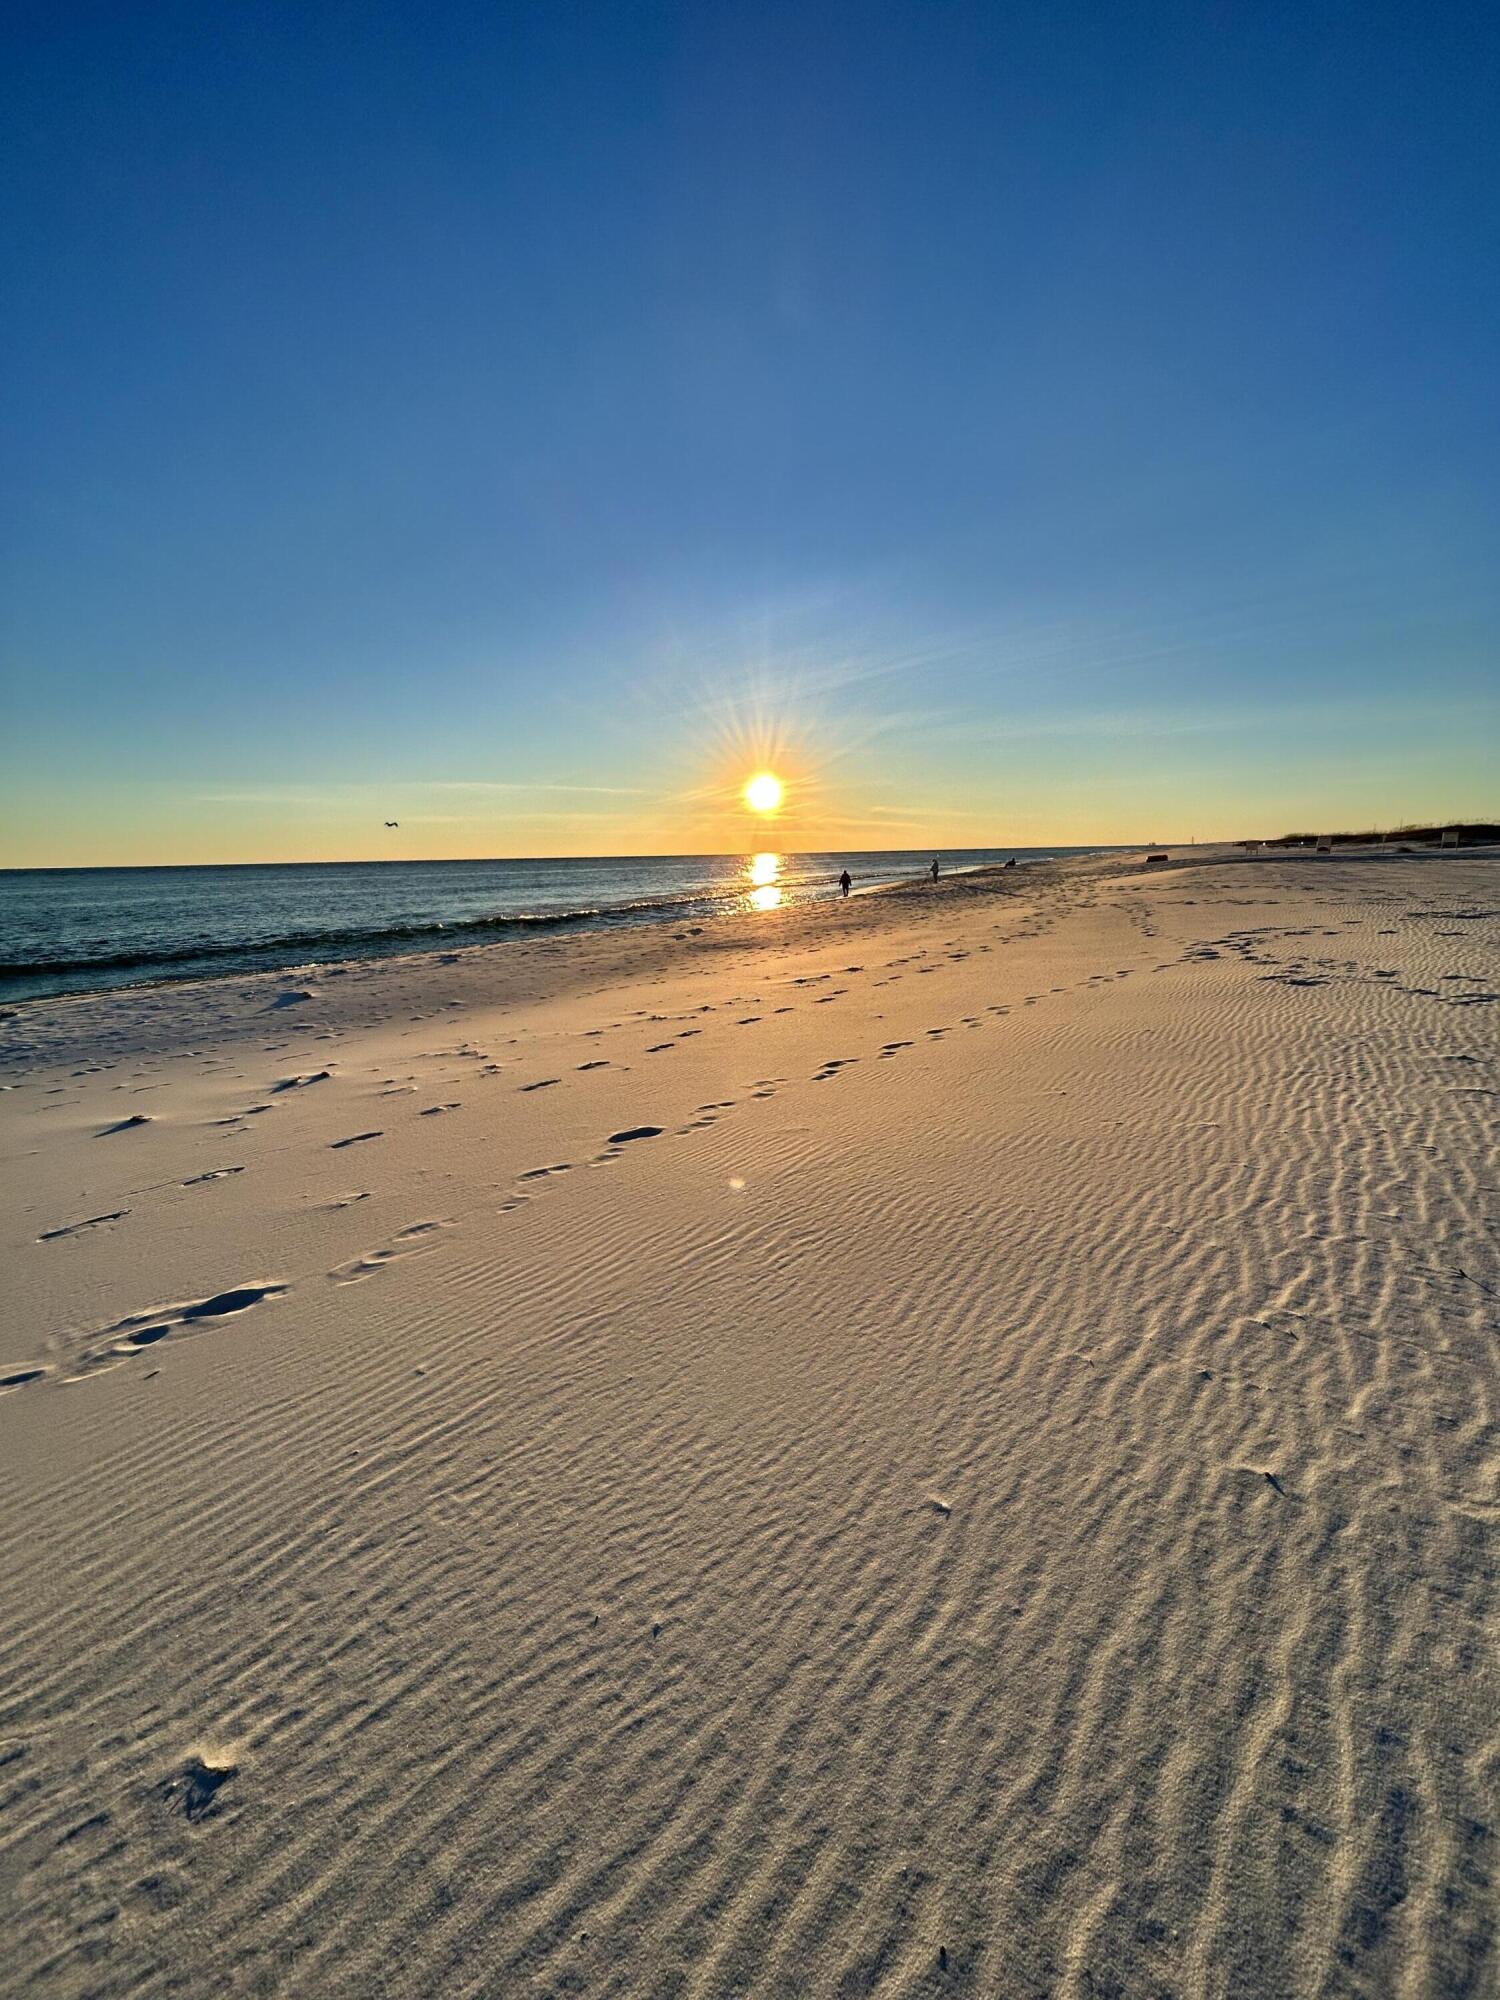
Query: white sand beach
{"x":942,"y":1445}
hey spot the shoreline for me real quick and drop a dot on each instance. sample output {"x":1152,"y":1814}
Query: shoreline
{"x":604,"y":951}
{"x":511,"y":931}
{"x":510,"y":965}
{"x":349,"y":942}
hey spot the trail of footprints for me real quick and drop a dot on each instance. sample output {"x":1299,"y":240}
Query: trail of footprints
{"x":528,"y":1184}
{"x":111,"y":1345}
{"x":123,"y":1339}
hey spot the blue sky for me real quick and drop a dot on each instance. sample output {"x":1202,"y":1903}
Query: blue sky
{"x":1016,"y":423}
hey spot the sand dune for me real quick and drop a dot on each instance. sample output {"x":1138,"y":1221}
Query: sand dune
{"x":942,"y":1446}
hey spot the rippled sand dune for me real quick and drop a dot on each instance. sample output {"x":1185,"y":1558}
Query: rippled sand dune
{"x":944,"y":1446}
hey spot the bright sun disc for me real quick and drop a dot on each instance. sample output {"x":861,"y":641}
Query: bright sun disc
{"x":763,"y":792}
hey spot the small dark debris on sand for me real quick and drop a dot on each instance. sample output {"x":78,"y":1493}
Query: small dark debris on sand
{"x":194,"y":1789}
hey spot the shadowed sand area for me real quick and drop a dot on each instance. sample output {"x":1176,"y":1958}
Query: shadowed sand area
{"x":951,"y":1449}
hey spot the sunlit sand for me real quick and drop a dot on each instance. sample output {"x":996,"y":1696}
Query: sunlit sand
{"x":938,"y":1443}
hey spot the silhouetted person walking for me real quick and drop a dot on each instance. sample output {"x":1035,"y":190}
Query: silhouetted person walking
{"x":933,"y":871}
{"x":845,"y":881}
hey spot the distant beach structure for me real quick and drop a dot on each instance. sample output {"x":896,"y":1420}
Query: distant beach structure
{"x":1455,"y":833}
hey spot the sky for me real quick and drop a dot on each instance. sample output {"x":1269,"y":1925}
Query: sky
{"x":1012,"y":424}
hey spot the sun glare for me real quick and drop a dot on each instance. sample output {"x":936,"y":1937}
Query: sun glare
{"x":763,"y":792}
{"x":765,"y":889}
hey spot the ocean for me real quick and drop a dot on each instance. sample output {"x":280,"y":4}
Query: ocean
{"x":71,"y":930}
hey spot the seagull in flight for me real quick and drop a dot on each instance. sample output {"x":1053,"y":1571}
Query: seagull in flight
{"x":393,"y":822}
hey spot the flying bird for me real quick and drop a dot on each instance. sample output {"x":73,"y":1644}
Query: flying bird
{"x":393,"y":822}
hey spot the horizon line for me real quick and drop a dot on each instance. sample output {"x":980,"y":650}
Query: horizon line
{"x":1410,"y":829}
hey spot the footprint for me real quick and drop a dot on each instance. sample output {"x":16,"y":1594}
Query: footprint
{"x":891,"y":1048}
{"x":73,"y":1228}
{"x":17,"y":1378}
{"x":138,"y":1331}
{"x":361,"y":1267}
{"x":403,"y":1244}
{"x":145,"y":1336}
{"x":222,"y":1304}
{"x":599,"y":1062}
{"x":546,"y":1083}
{"x":213,"y":1174}
{"x":301,"y":1082}
{"x":635,"y":1132}
{"x":357,"y":1139}
{"x":437,"y":1110}
{"x":125,"y":1124}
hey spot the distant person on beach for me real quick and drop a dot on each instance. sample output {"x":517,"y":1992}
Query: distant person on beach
{"x":934,"y":869}
{"x":845,"y":881}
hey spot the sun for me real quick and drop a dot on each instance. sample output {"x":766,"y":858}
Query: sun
{"x":763,"y":792}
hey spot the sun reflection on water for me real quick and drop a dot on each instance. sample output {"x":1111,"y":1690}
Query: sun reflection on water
{"x":765,"y":890}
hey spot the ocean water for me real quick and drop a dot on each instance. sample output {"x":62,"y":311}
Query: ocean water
{"x":69,"y":930}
